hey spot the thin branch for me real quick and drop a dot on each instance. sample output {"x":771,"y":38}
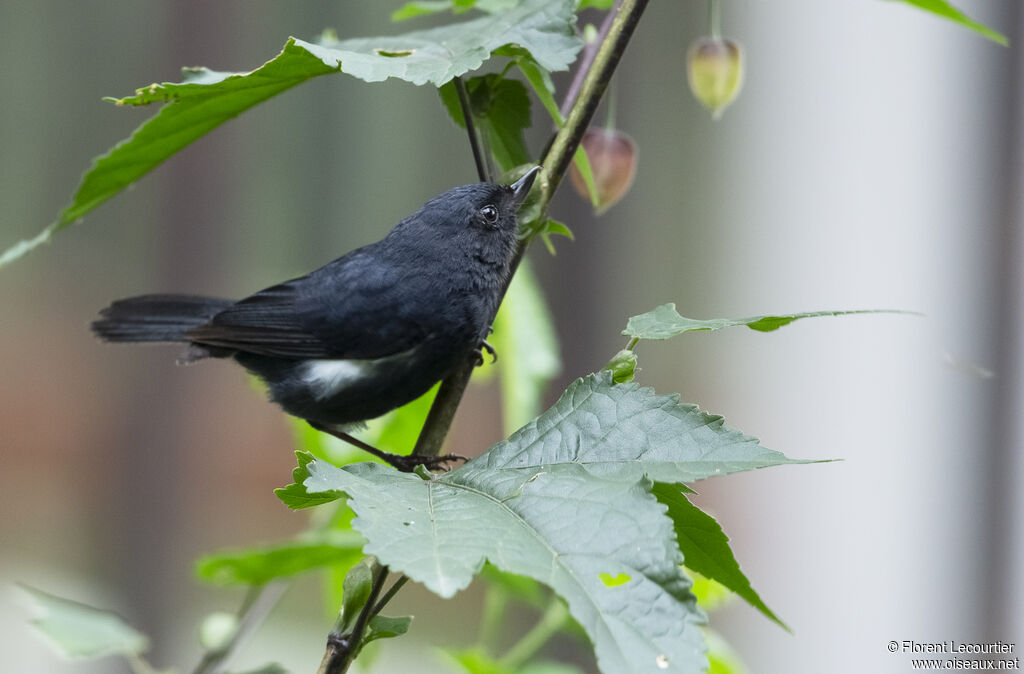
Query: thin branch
{"x":589,"y":51}
{"x":258,"y":602}
{"x":343,"y":648}
{"x":474,"y":137}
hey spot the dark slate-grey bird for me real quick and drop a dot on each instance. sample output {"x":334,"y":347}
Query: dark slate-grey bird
{"x":366,"y":333}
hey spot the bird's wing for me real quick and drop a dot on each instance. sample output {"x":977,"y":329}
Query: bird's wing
{"x":354,"y":307}
{"x":265,"y":323}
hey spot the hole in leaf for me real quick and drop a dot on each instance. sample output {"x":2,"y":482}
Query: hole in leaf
{"x":614,"y":581}
{"x":393,"y":53}
{"x":661,"y":661}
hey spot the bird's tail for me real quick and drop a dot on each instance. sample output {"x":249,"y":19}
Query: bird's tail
{"x":156,"y":318}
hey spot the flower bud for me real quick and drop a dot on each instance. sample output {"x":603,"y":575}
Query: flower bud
{"x":612,"y":155}
{"x":622,"y":366}
{"x":715,"y":71}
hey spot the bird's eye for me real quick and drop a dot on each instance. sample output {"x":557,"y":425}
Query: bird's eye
{"x":489,"y":213}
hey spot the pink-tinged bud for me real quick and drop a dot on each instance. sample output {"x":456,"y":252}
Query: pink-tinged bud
{"x":715,"y":71}
{"x":612,"y":156}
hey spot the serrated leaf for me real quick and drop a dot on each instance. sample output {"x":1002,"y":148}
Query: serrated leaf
{"x":527,"y":347}
{"x":554,"y":526}
{"x":566,"y":501}
{"x":78,"y":630}
{"x":948,"y":11}
{"x":706,"y":550}
{"x":256,"y":566}
{"x":295,"y":495}
{"x":664,"y":322}
{"x":208,"y":98}
{"x":625,"y":431}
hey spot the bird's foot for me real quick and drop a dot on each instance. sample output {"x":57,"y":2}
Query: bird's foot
{"x":479,"y":351}
{"x":408,"y":464}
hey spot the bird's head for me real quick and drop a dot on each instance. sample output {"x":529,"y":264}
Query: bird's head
{"x":480,"y":207}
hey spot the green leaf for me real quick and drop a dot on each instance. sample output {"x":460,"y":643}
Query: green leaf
{"x":208,"y":98}
{"x":527,"y":347}
{"x":948,"y":11}
{"x":710,"y":594}
{"x":664,"y":322}
{"x":706,"y":550}
{"x":426,"y":7}
{"x":356,"y":590}
{"x":411,"y":10}
{"x":555,"y":526}
{"x":80,"y":631}
{"x":256,"y":566}
{"x":475,"y":661}
{"x":624,"y":432}
{"x":563,"y":501}
{"x":597,"y":4}
{"x":295,"y":495}
{"x":551,"y":228}
{"x":382,"y":627}
{"x":501,"y":109}
{"x":540,"y":80}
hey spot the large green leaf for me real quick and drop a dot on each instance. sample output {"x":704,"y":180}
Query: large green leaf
{"x":566,"y":501}
{"x":948,"y":11}
{"x":564,"y":527}
{"x":706,"y":547}
{"x":207,"y":98}
{"x":625,"y":431}
{"x":256,"y":566}
{"x":80,"y":631}
{"x":664,"y":322}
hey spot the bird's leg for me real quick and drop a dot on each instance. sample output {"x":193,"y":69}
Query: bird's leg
{"x":406,"y":464}
{"x":479,"y":351}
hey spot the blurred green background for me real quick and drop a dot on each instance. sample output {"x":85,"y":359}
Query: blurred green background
{"x":873,"y":160}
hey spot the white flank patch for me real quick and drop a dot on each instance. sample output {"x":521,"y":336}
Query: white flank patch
{"x":327,"y":377}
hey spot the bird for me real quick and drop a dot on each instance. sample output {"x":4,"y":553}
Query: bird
{"x":366,"y":333}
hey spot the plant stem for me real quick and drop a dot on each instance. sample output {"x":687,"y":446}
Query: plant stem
{"x":343,"y":648}
{"x":549,"y":625}
{"x":474,"y":137}
{"x":714,"y":19}
{"x":495,"y":602}
{"x":258,"y":602}
{"x":588,"y":58}
{"x":607,"y":58}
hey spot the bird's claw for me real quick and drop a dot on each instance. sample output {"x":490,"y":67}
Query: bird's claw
{"x":479,"y":351}
{"x":408,"y":464}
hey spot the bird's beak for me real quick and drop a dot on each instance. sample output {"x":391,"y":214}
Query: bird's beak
{"x":521,"y":187}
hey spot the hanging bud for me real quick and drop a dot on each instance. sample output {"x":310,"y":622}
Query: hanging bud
{"x":715,"y":70}
{"x":612,"y":156}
